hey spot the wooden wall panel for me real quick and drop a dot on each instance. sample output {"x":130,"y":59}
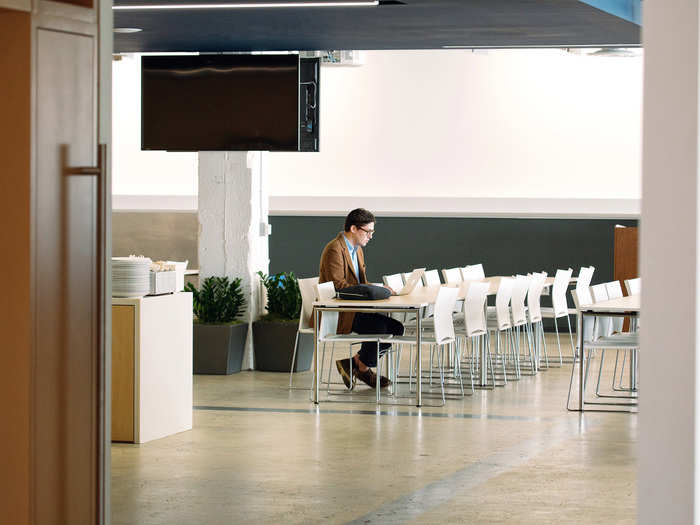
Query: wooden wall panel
{"x":15,"y":242}
{"x":123,"y":334}
{"x":626,"y":255}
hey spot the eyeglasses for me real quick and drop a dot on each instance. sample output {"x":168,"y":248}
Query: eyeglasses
{"x":368,"y":232}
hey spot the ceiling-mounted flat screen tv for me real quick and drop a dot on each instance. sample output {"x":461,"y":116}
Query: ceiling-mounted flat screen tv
{"x":220,"y":102}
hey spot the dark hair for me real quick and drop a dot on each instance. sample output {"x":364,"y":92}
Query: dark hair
{"x":358,"y":217}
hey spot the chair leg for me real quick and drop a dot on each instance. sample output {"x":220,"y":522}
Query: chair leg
{"x":600,"y":372}
{"x":540,"y":326}
{"x":571,"y":338}
{"x":294,"y":355}
{"x":556,"y":329}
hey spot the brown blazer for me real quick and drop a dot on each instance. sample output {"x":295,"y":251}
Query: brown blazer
{"x":336,"y":266}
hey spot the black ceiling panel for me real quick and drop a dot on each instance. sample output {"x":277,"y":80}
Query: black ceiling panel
{"x":417,"y":24}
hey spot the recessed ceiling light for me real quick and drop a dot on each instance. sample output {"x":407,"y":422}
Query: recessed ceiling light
{"x":251,"y":5}
{"x":127,"y":29}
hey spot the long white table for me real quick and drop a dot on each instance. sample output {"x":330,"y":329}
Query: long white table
{"x":624,"y":306}
{"x":416,"y":302}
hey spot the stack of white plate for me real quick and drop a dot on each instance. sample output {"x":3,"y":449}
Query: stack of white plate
{"x":130,"y":276}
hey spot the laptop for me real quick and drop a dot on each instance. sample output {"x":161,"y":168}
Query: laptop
{"x":411,"y":281}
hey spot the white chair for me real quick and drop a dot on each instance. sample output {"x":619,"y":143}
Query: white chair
{"x":475,"y":329}
{"x":560,"y":309}
{"x":307,"y":287}
{"x":612,"y":326}
{"x":431,"y":278}
{"x":501,"y":324}
{"x":405,"y":277}
{"x":583,"y":282}
{"x":452,"y":275}
{"x":633,"y":286}
{"x":473,"y":272}
{"x":614,"y":291}
{"x":594,"y":338}
{"x":518,"y":312}
{"x":534,"y":313}
{"x":393,"y":281}
{"x":442,"y":336}
{"x":327,"y":333}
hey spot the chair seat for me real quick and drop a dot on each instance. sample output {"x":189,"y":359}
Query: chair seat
{"x":548,"y":312}
{"x":492,"y":324}
{"x":427,"y":339}
{"x":614,"y":342}
{"x":355,"y":338}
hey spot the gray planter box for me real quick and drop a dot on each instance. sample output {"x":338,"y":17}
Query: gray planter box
{"x":273,"y":344}
{"x":218,"y":348}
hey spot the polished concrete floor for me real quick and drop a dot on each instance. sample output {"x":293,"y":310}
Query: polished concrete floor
{"x":259,"y":453}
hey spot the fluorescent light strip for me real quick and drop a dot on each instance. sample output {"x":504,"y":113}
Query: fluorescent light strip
{"x":246,"y":6}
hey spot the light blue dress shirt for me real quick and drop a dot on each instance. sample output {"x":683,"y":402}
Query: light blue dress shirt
{"x":353,"y":257}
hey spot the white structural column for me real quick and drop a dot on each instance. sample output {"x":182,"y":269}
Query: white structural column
{"x":233,"y":214}
{"x":668,"y":420}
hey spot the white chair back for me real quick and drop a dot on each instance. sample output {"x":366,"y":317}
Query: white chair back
{"x":473,"y":272}
{"x":475,"y":299}
{"x":431,"y":278}
{"x":585,"y":276}
{"x":534,"y":292}
{"x":329,"y":320}
{"x":614,"y":292}
{"x":517,"y":302}
{"x":603,"y":327}
{"x":588,"y":322}
{"x":307,"y":287}
{"x":561,"y":283}
{"x":503,"y":297}
{"x":444,"y":304}
{"x":405,"y":277}
{"x":393,"y":281}
{"x":634,"y":286}
{"x":452,"y":275}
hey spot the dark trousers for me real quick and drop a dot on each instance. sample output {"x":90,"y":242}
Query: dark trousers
{"x":374,"y":324}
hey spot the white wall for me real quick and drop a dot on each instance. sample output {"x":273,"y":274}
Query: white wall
{"x":136,"y":172}
{"x":499,"y":124}
{"x":453,"y":123}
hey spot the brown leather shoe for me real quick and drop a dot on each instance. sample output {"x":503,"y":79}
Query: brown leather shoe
{"x":370,"y":378}
{"x":343,"y":366}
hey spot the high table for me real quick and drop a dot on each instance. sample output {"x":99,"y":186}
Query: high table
{"x":621,"y":307}
{"x":415,"y":302}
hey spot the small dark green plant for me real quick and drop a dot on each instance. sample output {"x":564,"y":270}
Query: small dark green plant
{"x":283,"y":295}
{"x":219,"y":301}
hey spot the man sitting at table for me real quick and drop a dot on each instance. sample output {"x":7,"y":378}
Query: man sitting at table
{"x":343,"y":262}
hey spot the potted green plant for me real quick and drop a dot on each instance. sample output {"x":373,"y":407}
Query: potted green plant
{"x":218,"y":336}
{"x":275,"y":333}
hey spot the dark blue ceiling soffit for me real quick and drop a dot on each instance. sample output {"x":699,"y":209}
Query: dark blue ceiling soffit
{"x":630,"y":10}
{"x":415,"y":24}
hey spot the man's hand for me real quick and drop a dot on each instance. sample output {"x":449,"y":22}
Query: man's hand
{"x":390,"y":289}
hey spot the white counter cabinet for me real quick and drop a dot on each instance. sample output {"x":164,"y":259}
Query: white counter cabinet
{"x":151,"y":367}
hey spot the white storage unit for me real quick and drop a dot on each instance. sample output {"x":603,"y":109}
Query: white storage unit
{"x":151,"y":367}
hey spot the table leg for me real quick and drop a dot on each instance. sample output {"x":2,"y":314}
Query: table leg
{"x":483,"y":362}
{"x":316,"y":371}
{"x":419,"y":355}
{"x":582,"y":358}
